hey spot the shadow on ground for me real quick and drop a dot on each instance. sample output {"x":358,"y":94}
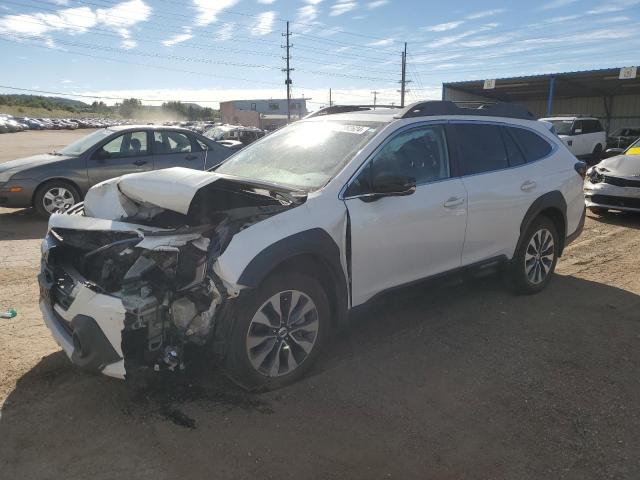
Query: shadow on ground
{"x":462,"y":381}
{"x":620,"y":219}
{"x":22,"y":224}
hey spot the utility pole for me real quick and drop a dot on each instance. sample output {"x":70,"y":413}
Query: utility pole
{"x":404,"y":81}
{"x":330,"y":102}
{"x":288,"y":70}
{"x":375,"y":97}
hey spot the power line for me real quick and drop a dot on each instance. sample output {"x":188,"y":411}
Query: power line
{"x":48,"y":92}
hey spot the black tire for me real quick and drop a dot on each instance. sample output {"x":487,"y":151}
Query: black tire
{"x":596,"y":156}
{"x":41,"y":204}
{"x":599,"y":210}
{"x":237,"y":362}
{"x":522,"y":261}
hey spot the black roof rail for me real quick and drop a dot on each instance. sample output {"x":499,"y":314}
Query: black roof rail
{"x":345,"y":109}
{"x":433,"y":108}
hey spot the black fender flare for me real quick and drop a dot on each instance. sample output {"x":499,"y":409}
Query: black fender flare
{"x":554,"y":200}
{"x":315,"y":242}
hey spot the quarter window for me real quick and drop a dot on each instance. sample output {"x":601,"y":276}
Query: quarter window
{"x":481,"y":148}
{"x":513,"y":150}
{"x":532,"y":144}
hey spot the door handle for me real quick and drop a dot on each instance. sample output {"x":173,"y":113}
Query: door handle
{"x":528,"y":185}
{"x":453,"y":202}
{"x":140,"y":162}
{"x":190,"y":157}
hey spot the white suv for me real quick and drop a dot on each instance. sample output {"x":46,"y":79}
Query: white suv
{"x":258,"y":260}
{"x":584,"y":136}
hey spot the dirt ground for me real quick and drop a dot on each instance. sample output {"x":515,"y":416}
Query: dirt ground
{"x":451,"y":381}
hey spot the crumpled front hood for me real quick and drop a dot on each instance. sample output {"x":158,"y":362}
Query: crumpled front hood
{"x":140,"y":197}
{"x":30,"y":162}
{"x":171,"y":189}
{"x":622,"y":165}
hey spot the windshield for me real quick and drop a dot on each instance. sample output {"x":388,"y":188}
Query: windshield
{"x":304,"y":155}
{"x":634,"y":148}
{"x":80,"y":146}
{"x":563,"y":127}
{"x":627,"y":132}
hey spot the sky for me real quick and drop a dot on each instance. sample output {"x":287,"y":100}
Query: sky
{"x":206,"y":51}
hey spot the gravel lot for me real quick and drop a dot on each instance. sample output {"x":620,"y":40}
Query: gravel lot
{"x":462,"y":380}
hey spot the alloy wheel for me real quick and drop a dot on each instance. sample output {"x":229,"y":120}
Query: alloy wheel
{"x":539,"y":256}
{"x":282,"y":333}
{"x":58,"y":200}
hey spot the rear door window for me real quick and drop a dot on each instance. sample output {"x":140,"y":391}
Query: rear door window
{"x":532,"y":145}
{"x":167,"y":142}
{"x":480,"y":148}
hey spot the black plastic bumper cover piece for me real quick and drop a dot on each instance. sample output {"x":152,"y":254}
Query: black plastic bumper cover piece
{"x":92,"y":351}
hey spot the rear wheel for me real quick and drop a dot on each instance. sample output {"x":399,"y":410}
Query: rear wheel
{"x":536,"y":257}
{"x":56,"y":196}
{"x":278,"y":332}
{"x":596,"y":156}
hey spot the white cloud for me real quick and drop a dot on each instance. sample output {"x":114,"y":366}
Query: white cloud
{"x":307,"y":14}
{"x":341,"y":7}
{"x":618,"y":19}
{"x":179,"y":38}
{"x":557,"y":4}
{"x":208,"y":10}
{"x":263,"y":24}
{"x":381,"y":43}
{"x":266,"y":2}
{"x":62,"y":3}
{"x":120,"y":18}
{"x":66,"y":81}
{"x":376,"y":4}
{"x":485,"y":13}
{"x":443,"y":27}
{"x":314,"y":2}
{"x":225,"y":32}
{"x":611,"y":7}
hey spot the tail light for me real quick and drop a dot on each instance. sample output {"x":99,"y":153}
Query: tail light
{"x":581,"y":168}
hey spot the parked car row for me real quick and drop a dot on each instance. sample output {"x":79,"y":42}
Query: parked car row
{"x":194,"y":125}
{"x":12,"y":124}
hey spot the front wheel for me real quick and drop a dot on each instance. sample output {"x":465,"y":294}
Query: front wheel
{"x":278,"y":332}
{"x":56,"y":196}
{"x":536,"y":257}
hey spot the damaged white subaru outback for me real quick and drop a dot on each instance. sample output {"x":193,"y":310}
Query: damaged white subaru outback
{"x":258,"y":260}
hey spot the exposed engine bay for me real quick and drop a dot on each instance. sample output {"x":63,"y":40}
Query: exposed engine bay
{"x":160,"y":263}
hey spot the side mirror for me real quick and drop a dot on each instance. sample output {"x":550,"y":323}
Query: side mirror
{"x":388,"y":185}
{"x":612,"y":152}
{"x":100,"y":154}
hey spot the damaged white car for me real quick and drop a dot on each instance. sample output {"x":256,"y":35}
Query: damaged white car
{"x":259,"y":259}
{"x":614,"y":183}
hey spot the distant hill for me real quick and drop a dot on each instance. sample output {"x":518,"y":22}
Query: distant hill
{"x":41,"y":101}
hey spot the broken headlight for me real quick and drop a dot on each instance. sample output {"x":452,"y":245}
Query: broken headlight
{"x":594,"y":176}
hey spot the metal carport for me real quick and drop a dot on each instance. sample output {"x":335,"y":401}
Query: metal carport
{"x":600,"y":93}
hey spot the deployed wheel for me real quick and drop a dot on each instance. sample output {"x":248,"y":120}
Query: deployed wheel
{"x":599,"y":210}
{"x":55,"y":197}
{"x":536,"y":257}
{"x":278,"y":332}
